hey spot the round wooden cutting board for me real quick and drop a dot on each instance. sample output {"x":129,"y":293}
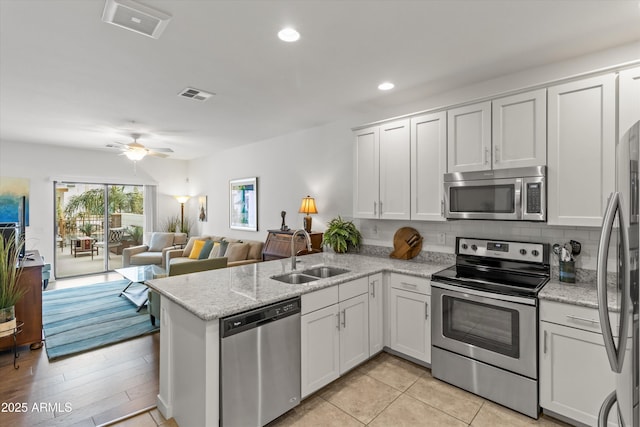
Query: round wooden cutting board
{"x":407,"y":243}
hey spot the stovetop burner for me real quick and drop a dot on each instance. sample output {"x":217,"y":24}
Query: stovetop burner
{"x":504,"y":267}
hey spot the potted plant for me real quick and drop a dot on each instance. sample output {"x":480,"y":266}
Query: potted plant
{"x":341,"y":235}
{"x":135,"y":231}
{"x":87,"y":229}
{"x":10,"y":290}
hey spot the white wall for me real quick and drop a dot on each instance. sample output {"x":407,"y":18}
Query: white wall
{"x":315,"y":162}
{"x":42,"y":164}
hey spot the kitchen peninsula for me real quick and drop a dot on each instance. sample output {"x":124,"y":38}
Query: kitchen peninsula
{"x":193,"y":304}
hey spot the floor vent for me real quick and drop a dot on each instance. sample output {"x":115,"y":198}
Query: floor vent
{"x":197,"y":94}
{"x":136,"y":17}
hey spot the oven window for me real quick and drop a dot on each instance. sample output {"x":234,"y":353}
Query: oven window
{"x":483,"y":325}
{"x":483,"y":199}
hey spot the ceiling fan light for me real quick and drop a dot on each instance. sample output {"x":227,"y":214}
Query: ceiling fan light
{"x":135,"y":154}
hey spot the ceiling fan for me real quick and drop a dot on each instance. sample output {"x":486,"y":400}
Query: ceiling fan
{"x":136,"y":151}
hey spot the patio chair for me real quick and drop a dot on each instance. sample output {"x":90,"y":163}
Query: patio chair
{"x":114,"y":240}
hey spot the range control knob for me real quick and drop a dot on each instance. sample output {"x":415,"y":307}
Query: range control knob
{"x":474,"y":247}
{"x":535,"y":252}
{"x":465,"y":246}
{"x":523,"y":251}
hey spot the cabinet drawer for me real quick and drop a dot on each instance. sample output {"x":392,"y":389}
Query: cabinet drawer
{"x":353,"y":288}
{"x":410,"y":283}
{"x":319,"y":299}
{"x":574,"y":316}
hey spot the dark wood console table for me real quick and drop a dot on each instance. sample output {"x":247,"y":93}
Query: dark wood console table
{"x":278,"y":244}
{"x":29,"y":308}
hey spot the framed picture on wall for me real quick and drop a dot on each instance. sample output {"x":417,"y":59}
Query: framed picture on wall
{"x":243,"y":204}
{"x":202,"y":209}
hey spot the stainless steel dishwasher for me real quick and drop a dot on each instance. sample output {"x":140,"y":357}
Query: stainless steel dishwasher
{"x":260,"y":364}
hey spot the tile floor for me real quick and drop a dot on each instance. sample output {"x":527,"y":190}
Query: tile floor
{"x":386,"y":391}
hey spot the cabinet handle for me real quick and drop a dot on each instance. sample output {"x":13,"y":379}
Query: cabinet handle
{"x":486,"y":156}
{"x":375,"y":208}
{"x":344,"y":318}
{"x":583,"y":319}
{"x":338,"y":322}
{"x":426,"y":310}
{"x":496,"y":151}
{"x":442,"y":207}
{"x":545,"y":343}
{"x":380,"y":202}
{"x":373,"y":289}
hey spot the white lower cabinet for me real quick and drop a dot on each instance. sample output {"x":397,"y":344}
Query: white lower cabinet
{"x":409,"y":316}
{"x":575,"y":377}
{"x":335,"y":333}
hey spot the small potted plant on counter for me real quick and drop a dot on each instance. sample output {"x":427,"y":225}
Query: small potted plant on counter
{"x":341,"y":235}
{"x":10,"y":290}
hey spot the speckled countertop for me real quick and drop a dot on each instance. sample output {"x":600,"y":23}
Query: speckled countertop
{"x":217,"y":293}
{"x":584,"y":294}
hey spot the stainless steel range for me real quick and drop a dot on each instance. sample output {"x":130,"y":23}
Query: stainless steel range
{"x":485,"y":320}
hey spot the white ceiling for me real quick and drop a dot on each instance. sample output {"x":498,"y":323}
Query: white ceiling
{"x":67,"y":78}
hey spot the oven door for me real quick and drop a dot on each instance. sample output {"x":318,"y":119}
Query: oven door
{"x":499,"y":199}
{"x":499,"y":330}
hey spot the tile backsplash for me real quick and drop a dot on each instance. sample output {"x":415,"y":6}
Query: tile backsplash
{"x":440,"y":237}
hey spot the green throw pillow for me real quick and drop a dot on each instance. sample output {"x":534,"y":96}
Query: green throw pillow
{"x":206,"y":249}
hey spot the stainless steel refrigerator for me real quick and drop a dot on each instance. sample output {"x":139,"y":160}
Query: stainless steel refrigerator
{"x":618,"y":304}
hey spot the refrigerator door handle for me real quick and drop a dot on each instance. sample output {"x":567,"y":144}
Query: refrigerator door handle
{"x":603,"y":415}
{"x":615,"y":355}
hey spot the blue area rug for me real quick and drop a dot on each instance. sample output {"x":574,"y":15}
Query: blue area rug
{"x":88,"y":317}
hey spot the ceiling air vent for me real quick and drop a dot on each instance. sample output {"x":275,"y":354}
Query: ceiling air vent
{"x":136,"y":17}
{"x":197,"y":94}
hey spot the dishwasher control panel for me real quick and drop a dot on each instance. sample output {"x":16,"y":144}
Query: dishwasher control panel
{"x":250,"y":319}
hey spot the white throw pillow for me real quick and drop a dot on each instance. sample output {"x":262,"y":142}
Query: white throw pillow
{"x":159,"y":241}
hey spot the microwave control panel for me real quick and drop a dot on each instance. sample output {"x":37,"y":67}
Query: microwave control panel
{"x":534,"y":197}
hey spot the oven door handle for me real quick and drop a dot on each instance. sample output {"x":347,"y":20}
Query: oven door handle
{"x":452,"y":286}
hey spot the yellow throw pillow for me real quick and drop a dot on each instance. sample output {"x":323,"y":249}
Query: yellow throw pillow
{"x":197,"y":247}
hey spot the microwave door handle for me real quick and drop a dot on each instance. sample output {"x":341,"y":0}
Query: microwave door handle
{"x":615,"y":355}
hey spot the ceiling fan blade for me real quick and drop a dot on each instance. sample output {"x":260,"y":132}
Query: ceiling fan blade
{"x":156,"y":154}
{"x":161,"y":149}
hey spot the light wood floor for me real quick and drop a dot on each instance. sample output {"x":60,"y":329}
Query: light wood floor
{"x":90,"y":389}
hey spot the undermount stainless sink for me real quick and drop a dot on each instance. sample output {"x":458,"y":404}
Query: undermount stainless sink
{"x":310,"y":275}
{"x":295,"y":278}
{"x":325,"y":271}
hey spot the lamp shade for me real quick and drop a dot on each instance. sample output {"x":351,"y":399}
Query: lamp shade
{"x":182,"y":199}
{"x":308,"y":206}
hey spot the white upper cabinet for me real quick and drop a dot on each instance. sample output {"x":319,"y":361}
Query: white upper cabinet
{"x":367,"y":170}
{"x":629,"y":99}
{"x":469,"y":138}
{"x":395,"y":171}
{"x":581,"y":150}
{"x":428,"y":165}
{"x":383,"y":171}
{"x":520,"y":130}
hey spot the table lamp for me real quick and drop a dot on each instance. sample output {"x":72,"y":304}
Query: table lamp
{"x":307,"y":207}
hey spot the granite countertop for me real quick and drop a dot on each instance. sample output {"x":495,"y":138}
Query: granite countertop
{"x":583,"y":294}
{"x":218,"y":293}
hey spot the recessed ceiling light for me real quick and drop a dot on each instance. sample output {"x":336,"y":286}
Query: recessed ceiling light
{"x":386,"y":86}
{"x":288,"y":35}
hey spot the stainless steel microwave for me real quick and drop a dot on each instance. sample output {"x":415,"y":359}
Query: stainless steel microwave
{"x":517,"y":194}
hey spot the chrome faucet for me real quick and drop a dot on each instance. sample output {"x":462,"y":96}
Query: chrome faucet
{"x":293,"y":245}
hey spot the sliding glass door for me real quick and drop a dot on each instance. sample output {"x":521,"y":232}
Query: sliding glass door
{"x":93,"y":224}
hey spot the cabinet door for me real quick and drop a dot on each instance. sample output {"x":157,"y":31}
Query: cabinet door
{"x":575,"y":377}
{"x":354,"y":332}
{"x":410,"y":323}
{"x":581,"y":156}
{"x":366,"y":185}
{"x":320,"y":349}
{"x":428,"y":165}
{"x":469,"y":138}
{"x":376,"y":318}
{"x":520,"y":130}
{"x":629,"y":99}
{"x":395,"y":171}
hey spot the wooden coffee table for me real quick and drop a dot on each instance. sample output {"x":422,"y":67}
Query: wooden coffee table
{"x":139,"y":274}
